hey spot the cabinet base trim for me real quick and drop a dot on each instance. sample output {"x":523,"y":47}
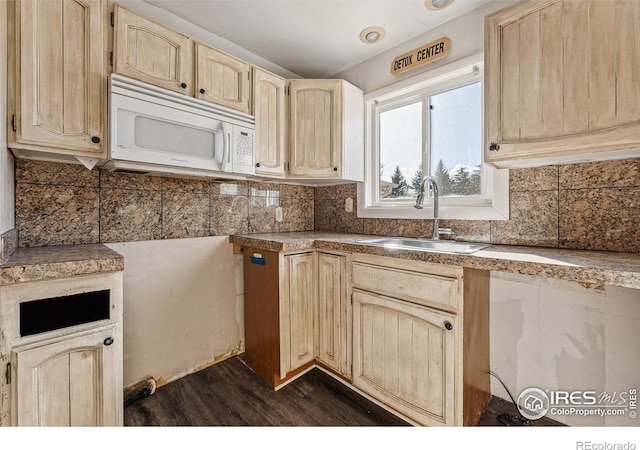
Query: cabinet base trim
{"x":292,"y":376}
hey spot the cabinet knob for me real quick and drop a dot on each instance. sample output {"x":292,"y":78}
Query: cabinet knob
{"x":95,"y":139}
{"x":108,"y":341}
{"x":202,"y":91}
{"x":448,"y":326}
{"x":494,"y":147}
{"x":335,"y":169}
{"x":183,"y":85}
{"x":257,"y":164}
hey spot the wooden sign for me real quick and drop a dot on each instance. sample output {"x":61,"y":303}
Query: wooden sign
{"x":420,"y":56}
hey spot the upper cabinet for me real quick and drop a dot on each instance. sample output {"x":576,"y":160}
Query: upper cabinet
{"x":150,"y":52}
{"x":562,"y":82}
{"x":58,"y":56}
{"x":323,"y":121}
{"x":222,"y":78}
{"x":327,"y":130}
{"x":153,"y":53}
{"x":270,"y":111}
{"x":59,"y":52}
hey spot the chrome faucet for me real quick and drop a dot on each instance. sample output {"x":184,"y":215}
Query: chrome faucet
{"x":420,"y":200}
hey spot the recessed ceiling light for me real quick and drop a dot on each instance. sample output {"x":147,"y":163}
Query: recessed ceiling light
{"x":371,"y":35}
{"x":436,"y":5}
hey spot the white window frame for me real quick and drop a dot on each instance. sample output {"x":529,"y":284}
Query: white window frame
{"x":492,"y":205}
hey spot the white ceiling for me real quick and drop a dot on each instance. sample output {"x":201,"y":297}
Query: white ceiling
{"x":313,"y":38}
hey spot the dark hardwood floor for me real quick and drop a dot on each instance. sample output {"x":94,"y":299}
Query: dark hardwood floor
{"x":230,"y":394}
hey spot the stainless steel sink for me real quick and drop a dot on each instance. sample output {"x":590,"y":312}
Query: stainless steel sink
{"x":464,"y":248}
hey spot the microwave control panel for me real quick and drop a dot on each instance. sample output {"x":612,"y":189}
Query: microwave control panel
{"x":243,"y":149}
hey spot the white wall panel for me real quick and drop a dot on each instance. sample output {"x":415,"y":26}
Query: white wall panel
{"x":559,"y":335}
{"x":182,"y":309}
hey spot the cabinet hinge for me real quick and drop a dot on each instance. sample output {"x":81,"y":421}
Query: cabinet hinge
{"x":8,"y":373}
{"x":286,"y":166}
{"x":14,"y":124}
{"x":111,"y":58}
{"x":112,"y":19}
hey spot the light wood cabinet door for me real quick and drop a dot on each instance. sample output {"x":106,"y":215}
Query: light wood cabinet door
{"x":332,"y":312}
{"x":316,"y":128}
{"x":150,"y":52}
{"x":270,"y":111}
{"x":404,"y":355}
{"x":562,"y":79}
{"x":297,"y":312}
{"x":57,"y":64}
{"x":222,"y":78}
{"x":73,"y":381}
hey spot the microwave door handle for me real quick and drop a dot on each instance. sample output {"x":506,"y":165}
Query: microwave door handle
{"x":226,"y":151}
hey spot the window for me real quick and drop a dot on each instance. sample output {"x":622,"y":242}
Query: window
{"x":431,"y":125}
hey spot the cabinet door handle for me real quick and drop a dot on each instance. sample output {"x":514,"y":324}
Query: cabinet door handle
{"x":202,"y":91}
{"x":183,"y":85}
{"x":494,"y":147}
{"x":257,"y":164}
{"x":108,"y":341}
{"x":448,"y":326}
{"x":335,"y":169}
{"x":95,"y":139}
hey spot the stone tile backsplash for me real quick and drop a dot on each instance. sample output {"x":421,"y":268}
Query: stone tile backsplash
{"x":594,"y":206}
{"x":60,"y":204}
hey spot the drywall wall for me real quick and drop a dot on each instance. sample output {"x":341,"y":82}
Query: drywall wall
{"x":6,"y":159}
{"x":559,"y":335}
{"x":467,"y":38}
{"x":171,"y":20}
{"x":183,"y":306}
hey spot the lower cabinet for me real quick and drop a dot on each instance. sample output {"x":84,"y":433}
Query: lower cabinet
{"x":61,"y":352}
{"x":295,"y":310}
{"x":297,"y":299}
{"x":333,"y":313}
{"x":404,"y":355}
{"x":413,"y":335}
{"x":69,"y":381}
{"x":421,"y":338}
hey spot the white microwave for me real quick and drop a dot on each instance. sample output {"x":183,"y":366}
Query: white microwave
{"x":158,"y":131}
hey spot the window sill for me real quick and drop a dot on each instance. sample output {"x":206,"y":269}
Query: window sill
{"x":496,"y":209}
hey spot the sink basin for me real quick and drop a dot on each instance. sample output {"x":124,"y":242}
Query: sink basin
{"x":463,"y":248}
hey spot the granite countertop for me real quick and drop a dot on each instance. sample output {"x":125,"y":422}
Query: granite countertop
{"x":590,"y":268}
{"x":48,"y":263}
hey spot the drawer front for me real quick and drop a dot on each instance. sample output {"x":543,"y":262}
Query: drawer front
{"x":417,"y":287}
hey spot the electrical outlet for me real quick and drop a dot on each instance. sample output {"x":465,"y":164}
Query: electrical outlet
{"x":348,"y":205}
{"x":278,"y":214}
